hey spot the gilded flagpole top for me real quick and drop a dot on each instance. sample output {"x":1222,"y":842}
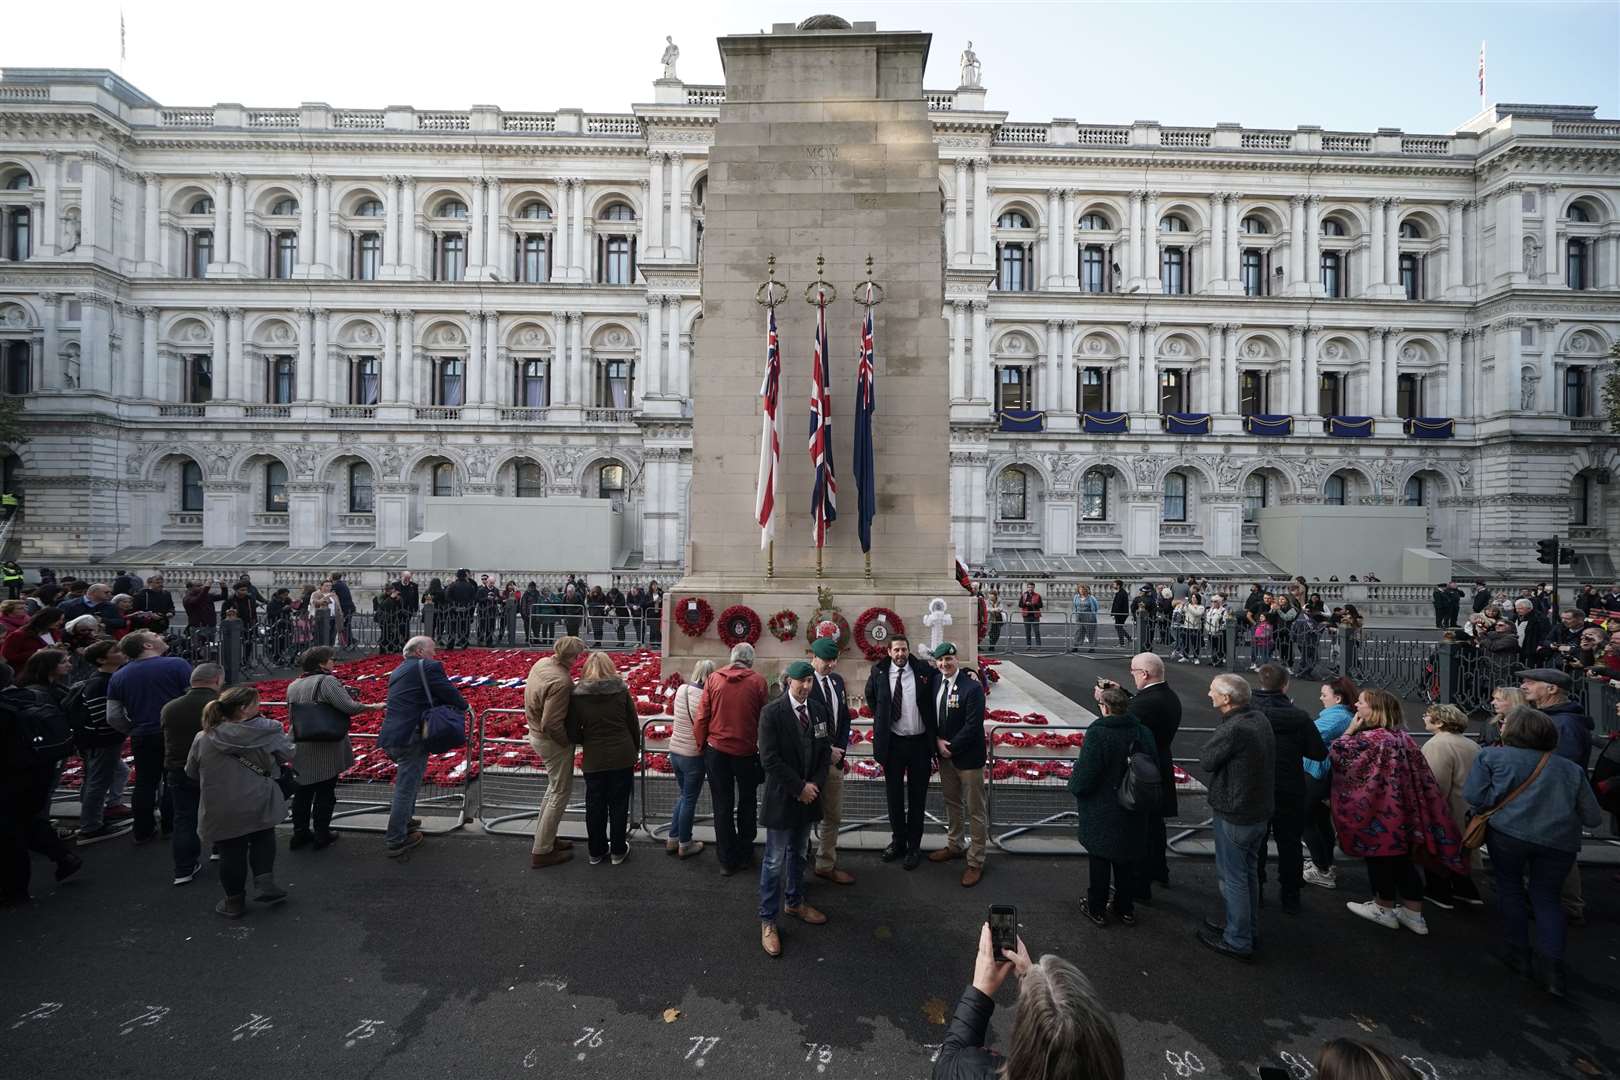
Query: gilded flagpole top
{"x":868,"y":294}
{"x":773,"y":292}
{"x":820,"y":291}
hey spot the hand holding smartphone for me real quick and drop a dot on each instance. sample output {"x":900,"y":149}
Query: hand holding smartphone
{"x":1003,"y":920}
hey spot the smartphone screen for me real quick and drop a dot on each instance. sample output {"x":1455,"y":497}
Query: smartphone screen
{"x":1272,"y":1072}
{"x":1003,"y":930}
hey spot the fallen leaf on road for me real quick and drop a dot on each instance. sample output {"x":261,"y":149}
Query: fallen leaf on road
{"x":934,"y":1010}
{"x":883,"y":933}
{"x":671,"y":1015}
{"x":1587,"y":1066}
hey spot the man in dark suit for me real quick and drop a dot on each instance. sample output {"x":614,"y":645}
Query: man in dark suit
{"x":959,"y":704}
{"x":795,"y":749}
{"x":1482,"y":596}
{"x":828,"y":689}
{"x":1156,"y":707}
{"x":900,"y":693}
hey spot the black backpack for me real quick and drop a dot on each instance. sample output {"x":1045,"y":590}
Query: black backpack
{"x":42,"y":730}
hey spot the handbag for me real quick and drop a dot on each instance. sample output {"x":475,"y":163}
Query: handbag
{"x":443,"y":728}
{"x":286,"y":779}
{"x":317,"y":721}
{"x":1141,"y":786}
{"x":1474,"y":834}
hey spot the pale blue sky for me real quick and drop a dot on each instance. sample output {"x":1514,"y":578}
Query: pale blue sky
{"x":1348,"y":66}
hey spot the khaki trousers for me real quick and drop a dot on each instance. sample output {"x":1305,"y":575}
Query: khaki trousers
{"x":832,"y":817}
{"x":965,"y":788}
{"x":559,"y":759}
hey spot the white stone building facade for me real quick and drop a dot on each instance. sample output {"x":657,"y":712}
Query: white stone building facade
{"x":279,"y":330}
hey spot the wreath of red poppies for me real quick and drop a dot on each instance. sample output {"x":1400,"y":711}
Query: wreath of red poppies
{"x":784,"y":625}
{"x":828,"y":624}
{"x":875,"y":628}
{"x":693,"y":615}
{"x":738,"y":623}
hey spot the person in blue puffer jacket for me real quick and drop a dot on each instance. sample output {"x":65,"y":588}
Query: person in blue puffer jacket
{"x":1338,"y":695}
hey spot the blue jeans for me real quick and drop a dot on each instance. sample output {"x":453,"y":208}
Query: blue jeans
{"x":689,"y":775}
{"x":782,"y":871}
{"x":411,"y":763}
{"x":104,"y":776}
{"x":184,"y":842}
{"x":1511,"y":860}
{"x":1237,"y":865}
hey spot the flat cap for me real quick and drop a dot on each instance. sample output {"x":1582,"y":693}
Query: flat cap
{"x":1551,"y":676}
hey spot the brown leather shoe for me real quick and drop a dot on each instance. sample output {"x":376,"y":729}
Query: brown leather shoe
{"x":946,"y":854}
{"x":560,"y":844}
{"x":770,"y":940}
{"x":550,"y":858}
{"x":836,"y":876}
{"x":971,"y":876}
{"x":806,"y":914}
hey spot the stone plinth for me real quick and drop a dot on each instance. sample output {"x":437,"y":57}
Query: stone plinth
{"x":823,"y":147}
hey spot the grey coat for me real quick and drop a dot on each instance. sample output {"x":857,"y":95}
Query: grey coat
{"x":237,"y":800}
{"x":322,"y":761}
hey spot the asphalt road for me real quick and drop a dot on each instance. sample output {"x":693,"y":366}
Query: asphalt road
{"x":463,"y":962}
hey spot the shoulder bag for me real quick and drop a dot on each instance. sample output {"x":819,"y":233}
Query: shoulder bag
{"x":443,"y":728}
{"x":317,"y":721}
{"x":1474,"y":834}
{"x":1141,"y":786}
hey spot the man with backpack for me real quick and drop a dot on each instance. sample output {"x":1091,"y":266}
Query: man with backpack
{"x":34,"y":740}
{"x":101,"y":746}
{"x":136,"y":695}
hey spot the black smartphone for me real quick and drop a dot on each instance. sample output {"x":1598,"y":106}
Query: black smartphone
{"x":1272,"y":1072}
{"x":1003,"y":921}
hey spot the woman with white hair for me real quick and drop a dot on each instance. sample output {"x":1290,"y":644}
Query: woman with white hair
{"x":1061,"y":1031}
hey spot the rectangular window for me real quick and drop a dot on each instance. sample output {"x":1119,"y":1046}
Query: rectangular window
{"x":283,"y":254}
{"x":533,"y":391}
{"x":1408,"y":396}
{"x":448,"y":389}
{"x":1013,"y":267}
{"x":1173,"y":271}
{"x":367,"y":256}
{"x":362,"y":490}
{"x":450,"y":261}
{"x":365,"y":382}
{"x":199,"y":378}
{"x":1012,"y":387}
{"x":17,"y":367}
{"x":533,"y":260}
{"x":1332,"y":277}
{"x":1173,"y":391}
{"x":1254,"y":393}
{"x":1254,"y":272}
{"x":1579,"y":497}
{"x":616,"y":259}
{"x":191,"y":488}
{"x":281,"y":380}
{"x":18,"y":243}
{"x":613,"y":384}
{"x":201,"y":242}
{"x":1330,"y":394}
{"x":1093,"y":270}
{"x":1412,"y":276}
{"x":1577,"y":390}
{"x":1093,"y":390}
{"x":1577,"y":268}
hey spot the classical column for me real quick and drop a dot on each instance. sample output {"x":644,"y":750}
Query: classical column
{"x":325,"y":379}
{"x":475,"y":231}
{"x":1150,"y":242}
{"x":959,"y":213}
{"x":1230,"y":334}
{"x":1215,"y":393}
{"x":1068,"y":378}
{"x":561,"y":259}
{"x":1215,"y":251}
{"x":239,"y":378}
{"x":982,"y":375}
{"x":581,"y":373}
{"x":474,"y":381}
{"x":1150,"y":368}
{"x":1552,"y":271}
{"x":305,"y":373}
{"x":409,"y":369}
{"x":1052,"y":247}
{"x":1547,"y":386}
{"x":239,"y":249}
{"x":390,"y":357}
{"x":1454,"y":369}
{"x":151,"y":372}
{"x":1375,"y":250}
{"x":49,"y":374}
{"x":1071,"y":243}
{"x":51,"y":185}
{"x":219,"y":363}
{"x":1311,"y":391}
{"x":1051,"y":397}
{"x":1296,"y":370}
{"x":652,"y":373}
{"x":394,"y":234}
{"x":559,"y":360}
{"x":1392,"y":244}
{"x":1233,"y":235}
{"x":1296,"y":243}
{"x":409,"y":264}
{"x":1454,"y":247}
{"x":1507,"y":365}
{"x":1471,"y":270}
{"x":1133,"y":234}
{"x":983,"y":250}
{"x":958,"y":390}
{"x":680,"y":210}
{"x":152,"y":240}
{"x":673,"y":364}
{"x":90,"y":210}
{"x":1313,"y":245}
{"x":654,"y":236}
{"x":1133,"y":366}
{"x":306,"y":224}
{"x":494,"y":370}
{"x":495,"y":251}
{"x":1392,"y":368}
{"x":582,"y":261}
{"x":325,"y":257}
{"x":222,"y":221}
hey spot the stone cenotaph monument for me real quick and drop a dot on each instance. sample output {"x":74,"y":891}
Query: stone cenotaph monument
{"x":823,"y":149}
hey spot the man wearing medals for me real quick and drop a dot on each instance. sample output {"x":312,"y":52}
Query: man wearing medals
{"x":828,"y":689}
{"x":959,"y":704}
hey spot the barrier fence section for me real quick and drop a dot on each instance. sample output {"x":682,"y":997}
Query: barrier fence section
{"x":512,"y":780}
{"x":1039,"y":797}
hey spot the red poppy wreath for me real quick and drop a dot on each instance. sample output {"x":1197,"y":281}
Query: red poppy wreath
{"x":874,"y":630}
{"x":693,"y":615}
{"x":828,"y":623}
{"x":784,"y":625}
{"x":738,"y":623}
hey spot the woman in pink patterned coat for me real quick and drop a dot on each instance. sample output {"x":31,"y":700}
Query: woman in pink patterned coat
{"x":1388,"y":810}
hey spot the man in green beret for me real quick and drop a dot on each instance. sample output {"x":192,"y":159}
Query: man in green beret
{"x":959,"y":704}
{"x":795,"y":748}
{"x":828,"y":689}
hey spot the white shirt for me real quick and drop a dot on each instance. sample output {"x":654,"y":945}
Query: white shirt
{"x":910,"y":722}
{"x":945,"y":686}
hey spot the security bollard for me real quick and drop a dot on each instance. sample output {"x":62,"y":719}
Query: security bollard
{"x":230,"y":650}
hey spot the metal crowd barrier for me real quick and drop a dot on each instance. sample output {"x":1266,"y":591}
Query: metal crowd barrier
{"x":1016,"y":809}
{"x":512,"y":780}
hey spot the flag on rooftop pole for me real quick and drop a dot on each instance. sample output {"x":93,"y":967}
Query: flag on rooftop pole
{"x":1482,"y":75}
{"x":770,"y":444}
{"x":123,"y":52}
{"x":824,"y":497}
{"x":865,"y":406}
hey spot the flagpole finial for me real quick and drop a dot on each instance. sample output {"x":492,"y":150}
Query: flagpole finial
{"x":820,"y":291}
{"x":773,"y":292}
{"x":869,"y":294}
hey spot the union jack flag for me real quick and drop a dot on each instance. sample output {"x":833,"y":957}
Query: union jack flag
{"x":824,"y":499}
{"x":865,"y":452}
{"x":770,"y":442}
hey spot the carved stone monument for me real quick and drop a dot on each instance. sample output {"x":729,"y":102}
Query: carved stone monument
{"x":823,"y":147}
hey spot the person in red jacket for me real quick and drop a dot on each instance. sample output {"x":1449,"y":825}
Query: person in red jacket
{"x":726,"y":730}
{"x":43,"y":631}
{"x":1029,"y":606}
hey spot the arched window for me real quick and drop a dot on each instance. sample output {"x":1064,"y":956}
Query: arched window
{"x":19,"y":182}
{"x":1173,"y":223}
{"x":1332,"y":227}
{"x":1175,"y":497}
{"x":444,"y":479}
{"x":1577,"y":213}
{"x":1012,"y":219}
{"x":451,"y":208}
{"x":1094,"y":496}
{"x":1411,"y":230}
{"x":369,"y":208}
{"x":275,"y":488}
{"x":1256,"y":226}
{"x":286,"y":206}
{"x":531,"y":480}
{"x":191,"y":487}
{"x":202,"y":205}
{"x":535,"y":210}
{"x":362,"y":489}
{"x":1013,"y":495}
{"x":1094,"y":222}
{"x":610,"y":485}
{"x":1333,"y":490}
{"x":619,"y":212}
{"x":1413,"y":495}
{"x":1254,"y":496}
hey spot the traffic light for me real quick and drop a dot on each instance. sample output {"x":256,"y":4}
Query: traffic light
{"x":1566,"y":556}
{"x":1548,"y":551}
